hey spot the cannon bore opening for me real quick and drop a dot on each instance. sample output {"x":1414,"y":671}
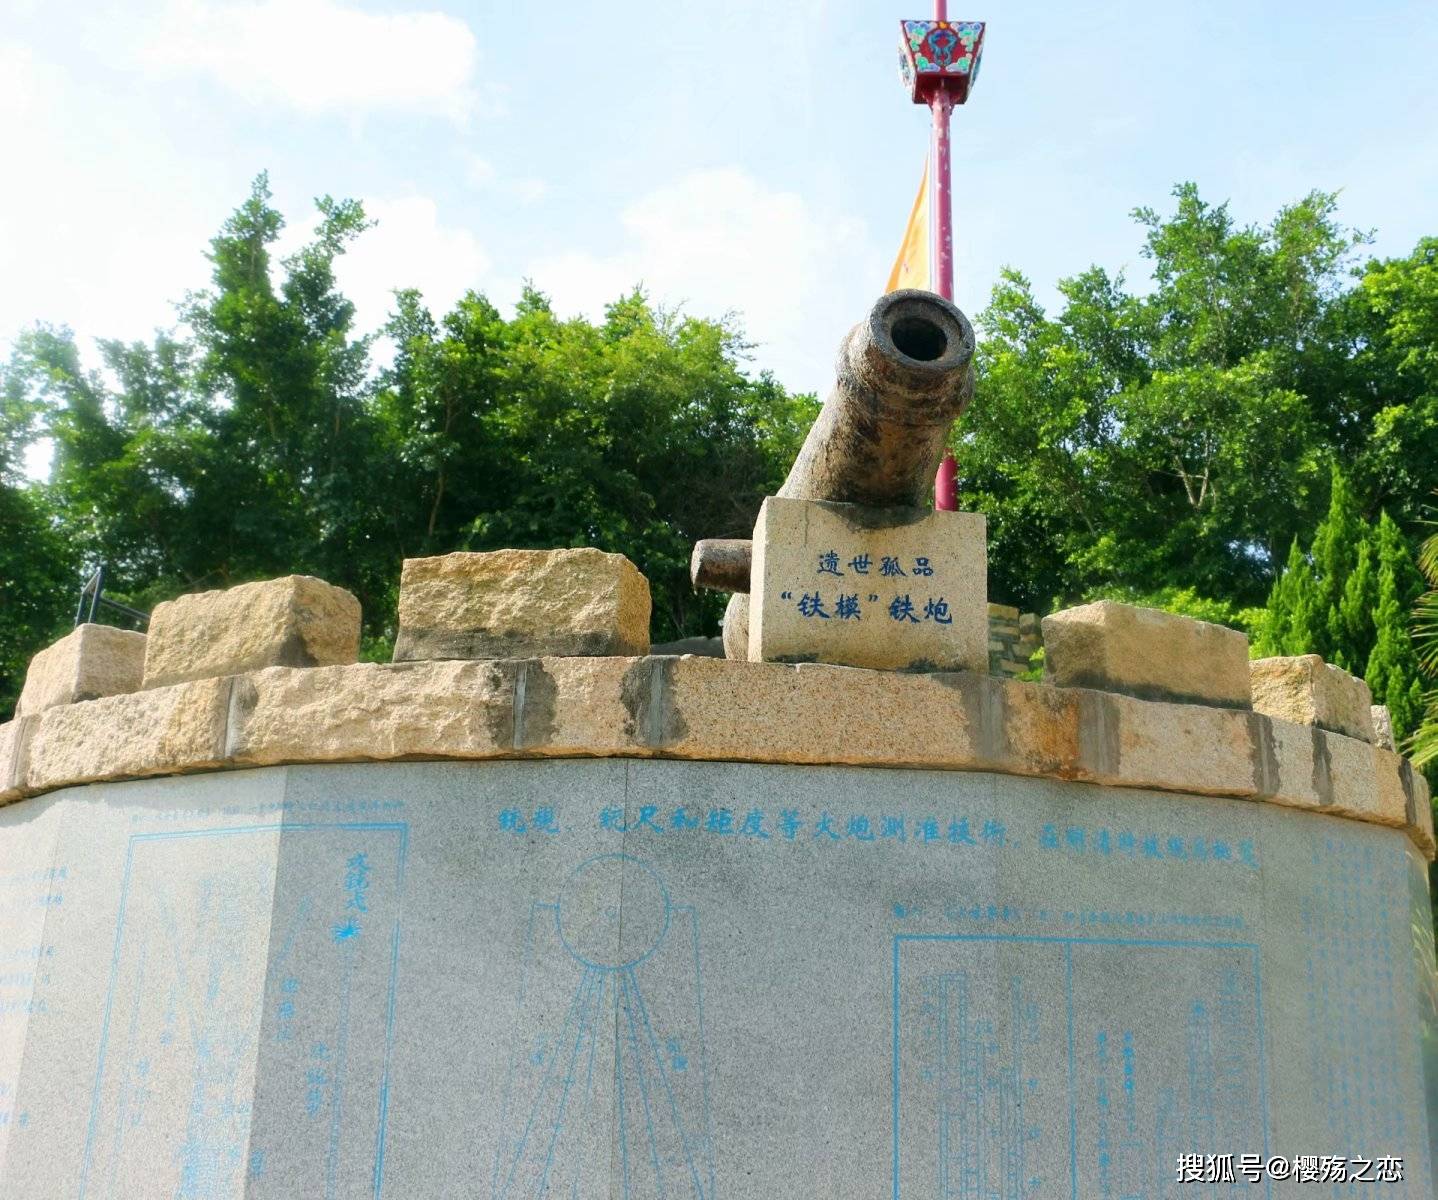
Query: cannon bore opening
{"x":918,"y":338}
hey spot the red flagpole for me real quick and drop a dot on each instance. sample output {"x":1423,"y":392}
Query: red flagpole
{"x":942,"y":105}
{"x":946,"y":482}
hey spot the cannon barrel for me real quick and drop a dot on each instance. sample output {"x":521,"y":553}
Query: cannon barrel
{"x":904,"y":374}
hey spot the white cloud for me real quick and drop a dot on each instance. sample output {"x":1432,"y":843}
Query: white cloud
{"x":528,"y":188}
{"x":482,"y":174}
{"x":721,"y":241}
{"x":479,"y":171}
{"x":322,"y":56}
{"x":407,"y":247}
{"x":21,"y":81}
{"x":77,"y":246}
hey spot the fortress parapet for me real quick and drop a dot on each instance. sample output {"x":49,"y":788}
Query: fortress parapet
{"x":536,"y":907}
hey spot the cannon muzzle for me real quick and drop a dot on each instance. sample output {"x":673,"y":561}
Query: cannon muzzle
{"x":903,"y":376}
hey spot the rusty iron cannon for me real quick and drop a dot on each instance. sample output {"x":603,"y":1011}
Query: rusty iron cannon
{"x":903,"y":376}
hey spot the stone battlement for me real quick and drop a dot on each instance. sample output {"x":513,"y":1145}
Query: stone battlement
{"x":709,"y":709}
{"x":264,"y":674}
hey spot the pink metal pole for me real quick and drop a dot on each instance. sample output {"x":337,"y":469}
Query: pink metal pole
{"x":942,"y":106}
{"x":946,"y":482}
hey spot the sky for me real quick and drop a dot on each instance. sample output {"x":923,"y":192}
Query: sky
{"x":750,"y":157}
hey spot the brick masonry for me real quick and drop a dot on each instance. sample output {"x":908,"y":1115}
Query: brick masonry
{"x":1013,"y":638}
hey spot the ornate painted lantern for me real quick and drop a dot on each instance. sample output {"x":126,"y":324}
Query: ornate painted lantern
{"x":940,"y":56}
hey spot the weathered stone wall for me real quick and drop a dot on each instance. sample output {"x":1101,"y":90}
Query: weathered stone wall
{"x":714,"y":710}
{"x":623,"y":978}
{"x":1013,"y":638}
{"x":694,"y":927}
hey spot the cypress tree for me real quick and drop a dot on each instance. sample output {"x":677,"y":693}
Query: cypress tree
{"x":1289,"y":623}
{"x":1278,"y":613}
{"x":1352,"y":635}
{"x":1394,"y":550}
{"x":1392,"y":672}
{"x":1335,"y":557}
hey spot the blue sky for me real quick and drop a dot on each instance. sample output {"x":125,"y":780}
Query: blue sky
{"x":750,"y":157}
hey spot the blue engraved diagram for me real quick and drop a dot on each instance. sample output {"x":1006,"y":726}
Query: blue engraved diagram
{"x":249,"y":1015}
{"x":1048,"y":1066}
{"x":607,"y":1069}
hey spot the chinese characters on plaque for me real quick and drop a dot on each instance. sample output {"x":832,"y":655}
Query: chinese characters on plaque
{"x":866,"y":587}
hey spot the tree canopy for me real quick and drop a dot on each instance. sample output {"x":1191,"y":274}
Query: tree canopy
{"x":1174,"y":442}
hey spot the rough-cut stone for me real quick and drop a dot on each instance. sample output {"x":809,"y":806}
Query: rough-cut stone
{"x":295,"y":621}
{"x":1146,"y":653}
{"x":711,"y":709}
{"x":781,"y":977}
{"x":1382,"y":727}
{"x":522,"y":604}
{"x":1308,"y":691}
{"x":1154,"y":745}
{"x":89,"y":662}
{"x":809,"y":713}
{"x":372,"y":711}
{"x":736,"y":628}
{"x":591,"y":706}
{"x":11,"y":748}
{"x":812,"y":603}
{"x":154,"y":732}
{"x":1420,"y":823}
{"x":1394,"y":792}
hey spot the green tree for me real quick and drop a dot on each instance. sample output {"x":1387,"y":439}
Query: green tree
{"x":639,"y":435}
{"x":241,"y":446}
{"x":1291,"y":622}
{"x":1349,"y":599}
{"x":1377,"y":370}
{"x":1337,"y":554}
{"x":1158,"y":440}
{"x":255,"y":439}
{"x":1392,"y":673}
{"x":1423,"y":745}
{"x":38,"y":571}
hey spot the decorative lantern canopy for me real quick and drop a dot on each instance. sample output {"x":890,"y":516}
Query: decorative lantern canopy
{"x":940,"y":56}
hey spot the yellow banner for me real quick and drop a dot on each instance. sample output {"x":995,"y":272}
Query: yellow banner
{"x":911,"y":267}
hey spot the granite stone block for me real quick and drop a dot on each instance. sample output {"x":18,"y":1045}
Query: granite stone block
{"x":88,"y":662}
{"x":903,"y":589}
{"x":606,"y":979}
{"x":1146,"y":653}
{"x":1309,"y":691}
{"x":522,"y":604}
{"x":294,"y":621}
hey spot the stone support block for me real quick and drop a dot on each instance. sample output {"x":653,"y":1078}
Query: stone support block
{"x":1308,"y":691}
{"x":810,"y":713}
{"x":1146,"y":653}
{"x":1130,"y":743}
{"x":896,"y":588}
{"x":14,"y":735}
{"x":522,"y":604}
{"x":373,"y":711}
{"x":88,"y":662}
{"x":583,"y":706}
{"x":295,"y":621}
{"x":703,"y":708}
{"x":1382,"y":727}
{"x":159,"y":731}
{"x":1420,"y":824}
